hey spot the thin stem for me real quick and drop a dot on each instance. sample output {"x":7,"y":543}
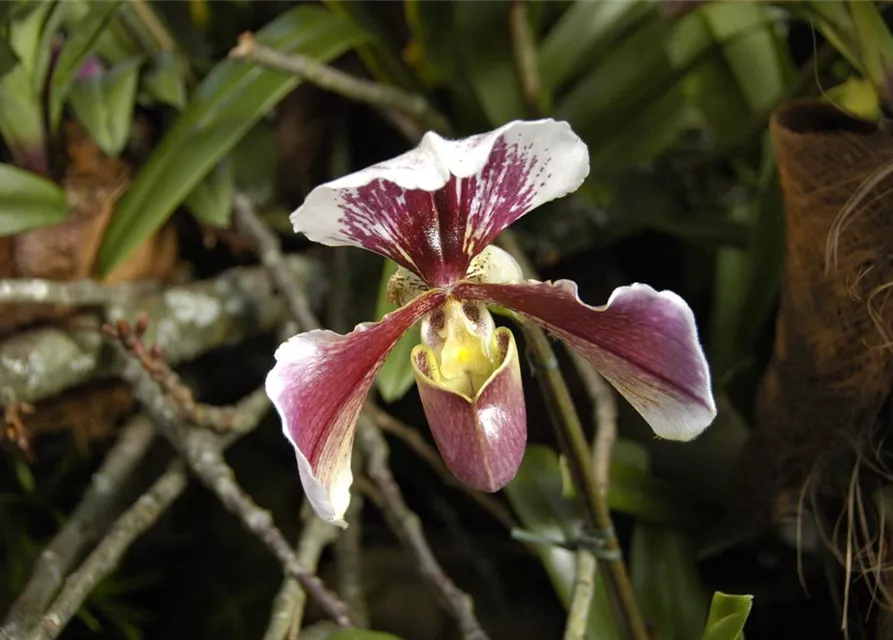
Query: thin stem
{"x":581,"y":597}
{"x":573,"y":444}
{"x":153,"y":24}
{"x":107,"y":555}
{"x":344,"y":84}
{"x":91,"y":517}
{"x":288,"y":606}
{"x":270,"y":253}
{"x":407,"y":526}
{"x":605,"y":410}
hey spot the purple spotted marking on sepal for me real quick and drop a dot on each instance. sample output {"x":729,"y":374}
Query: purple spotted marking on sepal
{"x":437,"y":233}
{"x":434,"y":208}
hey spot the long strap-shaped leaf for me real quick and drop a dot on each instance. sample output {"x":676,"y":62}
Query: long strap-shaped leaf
{"x":224,"y":107}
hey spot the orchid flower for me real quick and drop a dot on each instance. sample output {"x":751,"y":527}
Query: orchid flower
{"x":434,"y":211}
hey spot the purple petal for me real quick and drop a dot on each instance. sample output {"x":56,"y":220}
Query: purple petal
{"x":643,"y":341}
{"x":318,"y":386}
{"x":434,"y":208}
{"x":481,"y":440}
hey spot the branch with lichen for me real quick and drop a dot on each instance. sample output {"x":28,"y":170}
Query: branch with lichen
{"x":387,"y":97}
{"x":91,"y":517}
{"x":573,"y":444}
{"x":186,"y":321}
{"x":81,"y":293}
{"x":107,"y":555}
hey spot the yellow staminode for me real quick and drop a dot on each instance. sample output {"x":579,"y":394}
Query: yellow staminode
{"x":463,"y":356}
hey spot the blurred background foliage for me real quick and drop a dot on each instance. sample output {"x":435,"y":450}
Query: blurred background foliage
{"x":127,"y":132}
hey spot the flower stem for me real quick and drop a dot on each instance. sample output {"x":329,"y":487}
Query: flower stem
{"x":576,"y":450}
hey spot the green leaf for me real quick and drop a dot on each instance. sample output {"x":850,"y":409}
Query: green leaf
{"x":26,"y":39}
{"x":361,"y":634}
{"x":431,"y":50}
{"x":21,"y":88}
{"x":8,"y":57}
{"x":875,"y":43}
{"x":858,"y":96}
{"x":585,"y":26}
{"x":104,"y":105}
{"x":485,"y":47}
{"x":126,"y":37}
{"x":752,"y":50}
{"x":629,"y":107}
{"x":228,"y":102}
{"x":79,"y":45}
{"x":536,"y":495}
{"x":747,"y":279}
{"x":212,"y":200}
{"x":29,"y":201}
{"x":164,"y":81}
{"x":836,"y":24}
{"x":665,"y":579}
{"x":256,"y":164}
{"x":379,"y":55}
{"x":728,"y":613}
{"x":396,"y":376}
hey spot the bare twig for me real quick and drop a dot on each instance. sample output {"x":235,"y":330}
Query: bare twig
{"x":605,"y":413}
{"x":288,"y":606}
{"x":344,"y":84}
{"x":407,"y":526}
{"x":190,"y":320}
{"x":92,"y":515}
{"x":270,"y":254}
{"x":525,"y":55}
{"x":106,"y":557}
{"x":202,"y":451}
{"x":414,"y":440}
{"x":152,"y":360}
{"x":15,"y":430}
{"x":569,"y":430}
